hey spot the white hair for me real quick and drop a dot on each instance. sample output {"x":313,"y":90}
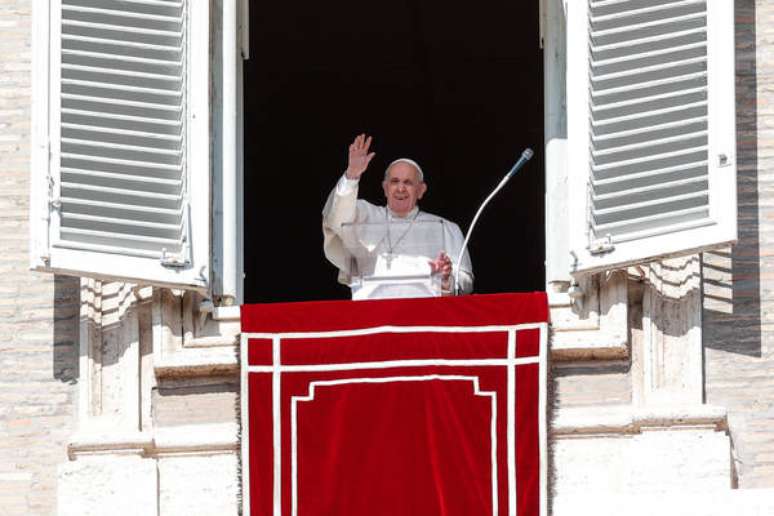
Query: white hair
{"x":408,"y":161}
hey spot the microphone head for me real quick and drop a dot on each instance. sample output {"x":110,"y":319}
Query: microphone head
{"x":527,"y":154}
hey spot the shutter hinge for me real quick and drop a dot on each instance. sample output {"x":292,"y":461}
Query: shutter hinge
{"x":183,"y":259}
{"x":53,"y":199}
{"x":602,"y":245}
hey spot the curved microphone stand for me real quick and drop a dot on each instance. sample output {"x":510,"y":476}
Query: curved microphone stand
{"x":525,"y":156}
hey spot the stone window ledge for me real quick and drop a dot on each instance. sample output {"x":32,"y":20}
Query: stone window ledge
{"x":175,"y":440}
{"x":606,"y":421}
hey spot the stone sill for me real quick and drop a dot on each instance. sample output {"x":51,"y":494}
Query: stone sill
{"x":584,"y":340}
{"x":227,"y":313}
{"x":588,"y":345}
{"x":217,"y":355}
{"x":220,"y":357}
{"x":203,"y":439}
{"x":622,"y":420}
{"x":211,"y":361}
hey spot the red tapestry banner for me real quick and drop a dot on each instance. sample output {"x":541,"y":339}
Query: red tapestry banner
{"x":426,"y":407}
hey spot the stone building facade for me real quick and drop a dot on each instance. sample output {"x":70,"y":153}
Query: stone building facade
{"x":126,"y":396}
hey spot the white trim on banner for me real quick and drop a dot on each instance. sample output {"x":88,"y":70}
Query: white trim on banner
{"x":395,"y":329}
{"x":511,"y":415}
{"x":389,"y":364}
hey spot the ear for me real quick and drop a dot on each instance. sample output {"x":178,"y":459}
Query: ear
{"x":384,"y":187}
{"x":421,"y":189}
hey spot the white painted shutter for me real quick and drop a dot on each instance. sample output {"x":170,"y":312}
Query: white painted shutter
{"x":127,"y":180}
{"x":651,"y":129}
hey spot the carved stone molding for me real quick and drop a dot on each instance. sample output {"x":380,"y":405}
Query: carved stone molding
{"x":667,"y":346}
{"x":594,"y":326}
{"x":204,"y":439}
{"x":192,"y":337}
{"x":626,"y":419}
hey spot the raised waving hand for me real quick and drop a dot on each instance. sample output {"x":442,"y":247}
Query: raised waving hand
{"x":359,"y":157}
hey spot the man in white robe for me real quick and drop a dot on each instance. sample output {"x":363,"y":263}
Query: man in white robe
{"x":403,"y":187}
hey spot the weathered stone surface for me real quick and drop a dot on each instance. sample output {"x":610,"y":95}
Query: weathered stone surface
{"x":657,"y":461}
{"x":199,"y":485}
{"x":109,"y":484}
{"x":747,"y":502}
{"x":195,"y":402}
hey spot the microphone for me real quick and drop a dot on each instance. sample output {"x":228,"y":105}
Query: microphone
{"x":525,"y":156}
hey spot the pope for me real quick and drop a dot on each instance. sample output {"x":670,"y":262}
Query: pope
{"x":404,"y":186}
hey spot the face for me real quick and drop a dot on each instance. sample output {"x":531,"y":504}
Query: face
{"x":402,"y":188}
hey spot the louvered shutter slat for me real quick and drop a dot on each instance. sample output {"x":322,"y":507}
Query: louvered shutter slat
{"x":124,"y":243}
{"x":135,"y":138}
{"x":118,"y":195}
{"x":124,"y":211}
{"x":109,"y":225}
{"x":122,"y":180}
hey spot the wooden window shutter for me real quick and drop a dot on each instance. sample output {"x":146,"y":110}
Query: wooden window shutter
{"x":651,"y":129}
{"x":125,"y":190}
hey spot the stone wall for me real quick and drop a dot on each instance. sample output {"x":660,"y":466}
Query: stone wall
{"x":38,"y":312}
{"x":738,"y":315}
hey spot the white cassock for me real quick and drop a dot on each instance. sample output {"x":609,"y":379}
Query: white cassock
{"x":343,"y":207}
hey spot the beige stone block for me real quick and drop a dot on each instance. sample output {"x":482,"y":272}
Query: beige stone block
{"x":199,"y":485}
{"x":739,"y":502}
{"x":654,"y":461}
{"x":110,"y":484}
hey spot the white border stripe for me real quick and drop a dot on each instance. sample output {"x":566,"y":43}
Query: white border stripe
{"x":493,"y":448}
{"x":394,"y":329}
{"x":277,"y":418}
{"x":245,"y":405}
{"x":542,"y":415}
{"x":511,"y":412}
{"x":330,"y":383}
{"x":350,"y":366}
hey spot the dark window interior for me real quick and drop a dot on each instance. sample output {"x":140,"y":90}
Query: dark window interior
{"x":455,"y":86}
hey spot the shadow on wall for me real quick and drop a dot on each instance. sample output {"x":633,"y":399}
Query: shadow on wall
{"x":731,"y":277}
{"x":67,"y":303}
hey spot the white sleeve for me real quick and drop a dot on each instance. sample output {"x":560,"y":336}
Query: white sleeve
{"x":341,"y":205}
{"x":346,"y":185}
{"x":466,"y":266}
{"x":340,"y":208}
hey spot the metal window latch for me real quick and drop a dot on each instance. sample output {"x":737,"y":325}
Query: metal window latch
{"x":575,"y":291}
{"x":602,"y":245}
{"x":173,"y":260}
{"x":723,"y":160}
{"x":206,"y":308}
